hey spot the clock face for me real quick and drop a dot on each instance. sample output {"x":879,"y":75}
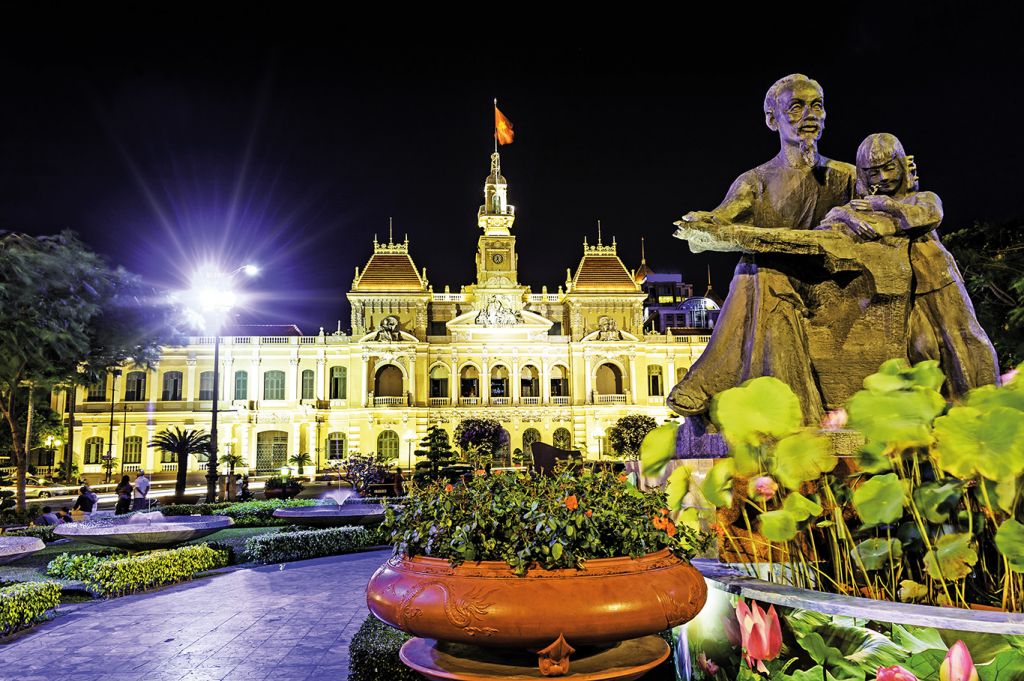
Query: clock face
{"x":497,"y":258}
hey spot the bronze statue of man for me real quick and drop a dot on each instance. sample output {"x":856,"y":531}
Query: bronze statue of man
{"x":762,"y":327}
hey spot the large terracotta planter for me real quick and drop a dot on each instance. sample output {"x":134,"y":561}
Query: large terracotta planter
{"x":486,"y":604}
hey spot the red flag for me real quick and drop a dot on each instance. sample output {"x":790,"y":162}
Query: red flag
{"x":502,"y":127}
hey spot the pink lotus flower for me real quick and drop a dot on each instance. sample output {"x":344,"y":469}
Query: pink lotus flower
{"x":894,"y":673}
{"x":958,"y":665}
{"x":761,"y":634}
{"x":765,"y":487}
{"x":708,"y":666}
{"x":834,"y":420}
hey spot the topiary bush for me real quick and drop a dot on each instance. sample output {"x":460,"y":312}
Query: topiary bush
{"x":373,"y":653}
{"x":287,"y":546}
{"x":44,"y":532}
{"x":22,"y":605}
{"x":117,"y":575}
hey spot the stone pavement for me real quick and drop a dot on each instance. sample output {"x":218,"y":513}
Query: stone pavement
{"x":285,"y":622}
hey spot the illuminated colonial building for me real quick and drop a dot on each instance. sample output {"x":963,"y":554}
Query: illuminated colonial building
{"x":559,"y":366}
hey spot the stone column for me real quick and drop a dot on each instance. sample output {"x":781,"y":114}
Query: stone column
{"x":545,"y":382}
{"x":188,"y":385}
{"x":515,"y":380}
{"x":453,"y":379}
{"x":485,"y":382}
{"x":255,"y":380}
{"x":588,"y":397}
{"x":314,"y":446}
{"x":297,"y":439}
{"x":632,"y":377}
{"x":321,"y":378}
{"x":155,"y":387}
{"x":411,"y":368}
{"x":364,"y":371}
{"x":291,"y":391}
{"x":227,"y":380}
{"x":150,"y":455}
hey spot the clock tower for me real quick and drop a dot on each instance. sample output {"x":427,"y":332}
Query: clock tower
{"x":496,"y":261}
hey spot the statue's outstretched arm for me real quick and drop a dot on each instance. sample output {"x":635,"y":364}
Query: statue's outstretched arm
{"x":917,"y":214}
{"x":738,"y":203}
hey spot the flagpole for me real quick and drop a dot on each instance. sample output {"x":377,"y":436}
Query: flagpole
{"x":495,"y":127}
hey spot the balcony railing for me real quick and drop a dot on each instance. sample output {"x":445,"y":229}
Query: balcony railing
{"x":469,"y":401}
{"x":561,"y":400}
{"x":609,"y":399}
{"x":530,"y":400}
{"x":440,"y":401}
{"x":388,"y":401}
{"x":501,"y":401}
{"x":172,"y":466}
{"x":690,"y":339}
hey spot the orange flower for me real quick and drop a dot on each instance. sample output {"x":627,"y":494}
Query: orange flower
{"x":571,"y":502}
{"x":481,"y":471}
{"x":589,"y":513}
{"x":499,"y":472}
{"x":660,"y":523}
{"x":664,"y":511}
{"x":623,"y":477}
{"x":448,"y":487}
{"x":671,"y":529}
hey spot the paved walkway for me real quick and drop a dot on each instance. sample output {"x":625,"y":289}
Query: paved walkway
{"x":286,"y":622}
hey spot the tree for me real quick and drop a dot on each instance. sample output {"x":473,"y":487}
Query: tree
{"x":479,"y":439}
{"x":991,"y":259}
{"x":232,"y":460}
{"x":300,"y":460}
{"x":628,"y":432}
{"x":182,"y":443}
{"x":65,"y":319}
{"x":437,"y":449}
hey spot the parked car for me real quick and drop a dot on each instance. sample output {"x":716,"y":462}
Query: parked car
{"x":39,"y":487}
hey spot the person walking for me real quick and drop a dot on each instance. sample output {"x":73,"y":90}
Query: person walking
{"x":140,"y":496}
{"x":124,"y":496}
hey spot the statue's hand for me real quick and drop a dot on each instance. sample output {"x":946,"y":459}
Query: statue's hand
{"x":860,"y":227}
{"x":884,"y":204}
{"x":701,"y":216}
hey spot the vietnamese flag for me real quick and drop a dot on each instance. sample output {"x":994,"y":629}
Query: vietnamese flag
{"x":502,"y":127}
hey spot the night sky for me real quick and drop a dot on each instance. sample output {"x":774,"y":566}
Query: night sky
{"x":165,"y":136}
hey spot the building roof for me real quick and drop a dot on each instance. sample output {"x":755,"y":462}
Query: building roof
{"x":390,"y":268}
{"x":601,"y":271}
{"x":699,"y":303}
{"x":260,"y":330}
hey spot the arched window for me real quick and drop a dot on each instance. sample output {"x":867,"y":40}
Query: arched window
{"x":387,"y":445}
{"x":339,"y":383}
{"x":439,"y":381}
{"x":93,"y":450}
{"x":172,"y":386}
{"x":499,"y":381}
{"x":132,"y":450}
{"x":206,"y":385}
{"x":655,"y":387}
{"x":559,"y":381}
{"x":503,"y":452}
{"x":529,"y":381}
{"x":135,"y":386}
{"x":335,"y":446}
{"x":562,"y":438}
{"x":308,"y":385}
{"x":273,"y":385}
{"x":530,"y":435}
{"x":97,"y":391}
{"x":241,"y":385}
{"x":609,"y":380}
{"x":469,"y":382}
{"x":389,"y":382}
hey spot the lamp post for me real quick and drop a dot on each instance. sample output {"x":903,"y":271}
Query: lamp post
{"x":110,"y":435}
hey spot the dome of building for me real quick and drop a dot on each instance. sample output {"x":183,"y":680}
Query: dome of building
{"x":698,"y":303}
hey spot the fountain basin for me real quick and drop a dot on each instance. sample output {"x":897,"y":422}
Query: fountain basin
{"x":346,"y":515}
{"x":14,"y":548}
{"x":144,"y":531}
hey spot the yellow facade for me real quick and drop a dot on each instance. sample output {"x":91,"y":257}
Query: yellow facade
{"x":562,"y":365}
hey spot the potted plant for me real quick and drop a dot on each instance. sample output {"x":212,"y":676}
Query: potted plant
{"x":925,"y":515}
{"x":282,"y":487}
{"x":536,"y":563}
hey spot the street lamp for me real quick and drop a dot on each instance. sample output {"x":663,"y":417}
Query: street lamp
{"x":109,"y":458}
{"x":212,"y":291}
{"x":52,"y":444}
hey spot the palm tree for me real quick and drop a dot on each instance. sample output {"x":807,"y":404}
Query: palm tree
{"x":300,"y":460}
{"x":181,"y":443}
{"x":232,"y":460}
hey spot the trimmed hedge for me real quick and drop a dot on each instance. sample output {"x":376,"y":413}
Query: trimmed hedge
{"x":281,"y":547}
{"x":44,"y":532}
{"x":244,"y":513}
{"x":22,"y":605}
{"x":117,"y":574}
{"x":373,"y":653}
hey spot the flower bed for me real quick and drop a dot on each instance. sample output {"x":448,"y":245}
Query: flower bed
{"x":304,"y":544}
{"x":22,"y":605}
{"x":117,"y":575}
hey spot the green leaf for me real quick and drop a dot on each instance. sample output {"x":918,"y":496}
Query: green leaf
{"x":801,"y":457}
{"x":951,"y":558}
{"x":815,"y":673}
{"x":801,"y":507}
{"x":969,"y":440}
{"x":778,"y":525}
{"x":830,"y":657}
{"x":690,"y":517}
{"x":879,"y":501}
{"x":911,"y":591}
{"x":925,"y":664}
{"x":1010,"y":542}
{"x":918,"y":639}
{"x":873,"y":457}
{"x":937,"y":500}
{"x":989,"y":396}
{"x":556,"y":551}
{"x":760,"y":407}
{"x":658,"y":448}
{"x":678,"y":486}
{"x":875,"y":553}
{"x":895,"y":417}
{"x":717,"y":487}
{"x":1007,"y":666}
{"x":896,"y":374}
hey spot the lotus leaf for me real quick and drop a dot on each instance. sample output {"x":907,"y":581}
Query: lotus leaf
{"x":717,"y":487}
{"x":879,"y":501}
{"x":873,"y":457}
{"x":952,"y":557}
{"x":760,"y":407}
{"x":937,"y":500}
{"x":778,"y":525}
{"x":875,"y":553}
{"x":989,"y":396}
{"x":902,"y":416}
{"x":896,"y":374}
{"x":658,"y":448}
{"x":800,"y":457}
{"x":970,"y":440}
{"x":801,"y":507}
{"x":1010,"y":542}
{"x":911,"y":591}
{"x":678,"y":486}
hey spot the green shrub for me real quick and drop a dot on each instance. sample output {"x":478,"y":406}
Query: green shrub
{"x":373,"y":653}
{"x":119,"y":576}
{"x":285,"y":546}
{"x":192,"y":509}
{"x":77,"y":566}
{"x":44,"y":532}
{"x":22,"y":605}
{"x":244,"y":513}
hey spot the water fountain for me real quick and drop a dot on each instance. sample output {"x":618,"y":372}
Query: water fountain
{"x":14,"y":548}
{"x":143,"y":531}
{"x":334,"y":515}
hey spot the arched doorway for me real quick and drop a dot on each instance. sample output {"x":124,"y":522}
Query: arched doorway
{"x":389,"y":382}
{"x":271,"y":450}
{"x":503,"y":453}
{"x":562,"y":438}
{"x":609,"y":380}
{"x":499,"y":381}
{"x":529,"y":381}
{"x":469,"y":382}
{"x":530,"y":435}
{"x":439,"y":381}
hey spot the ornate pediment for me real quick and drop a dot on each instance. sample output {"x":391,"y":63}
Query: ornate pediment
{"x":499,"y":323}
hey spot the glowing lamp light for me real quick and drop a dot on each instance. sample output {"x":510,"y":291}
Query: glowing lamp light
{"x":251,"y":270}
